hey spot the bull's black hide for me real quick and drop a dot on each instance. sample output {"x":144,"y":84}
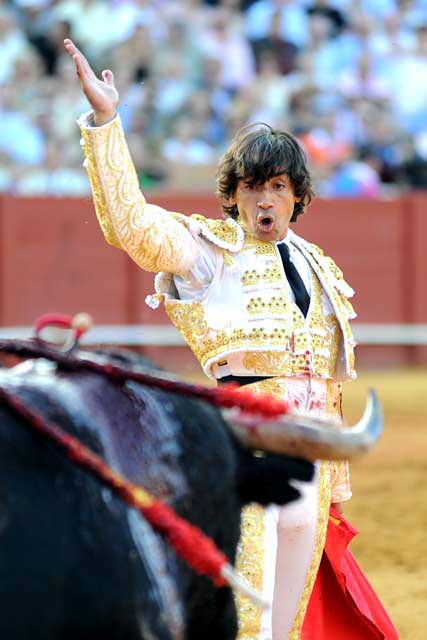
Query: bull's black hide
{"x":75,"y":562}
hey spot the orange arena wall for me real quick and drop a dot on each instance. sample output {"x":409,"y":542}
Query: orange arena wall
{"x":53,"y":258}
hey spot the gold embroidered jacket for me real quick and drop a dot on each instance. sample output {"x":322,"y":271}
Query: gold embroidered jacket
{"x":246,"y":319}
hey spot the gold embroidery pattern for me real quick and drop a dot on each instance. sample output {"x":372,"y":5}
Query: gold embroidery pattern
{"x":328,"y":266}
{"x":339,"y":470}
{"x":313,"y":343}
{"x":250,"y":564}
{"x":302,"y":350}
{"x":259,"y":307}
{"x":207,"y":344}
{"x":100,"y":203}
{"x":333,"y":399}
{"x":333,"y":339}
{"x":315,"y":249}
{"x":349,"y":340}
{"x":155,"y":242}
{"x":226,"y":231}
{"x":336,"y":271}
{"x":343,"y":305}
{"x":267,"y":361}
{"x":340,"y":481}
{"x":275,"y":387}
{"x":190,"y":319}
{"x":324,"y":499}
{"x":228,"y":259}
{"x":273,"y":274}
{"x":252,"y":277}
{"x":265,"y":249}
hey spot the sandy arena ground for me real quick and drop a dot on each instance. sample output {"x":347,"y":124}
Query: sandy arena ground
{"x":389,"y":504}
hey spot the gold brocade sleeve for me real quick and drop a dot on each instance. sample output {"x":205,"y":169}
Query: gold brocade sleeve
{"x":156,"y":239}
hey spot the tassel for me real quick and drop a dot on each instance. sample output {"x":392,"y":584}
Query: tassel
{"x":153,"y":301}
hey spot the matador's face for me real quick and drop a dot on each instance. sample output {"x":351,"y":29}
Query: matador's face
{"x":265,"y":210}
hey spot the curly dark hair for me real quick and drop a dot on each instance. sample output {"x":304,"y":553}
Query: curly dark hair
{"x":258,"y":153}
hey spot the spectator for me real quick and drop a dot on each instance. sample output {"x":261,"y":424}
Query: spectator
{"x":276,"y":45}
{"x":272,"y":91}
{"x":409,"y":82}
{"x":50,"y":44}
{"x":364,"y":81}
{"x":297,"y":64}
{"x":173,"y":87}
{"x":20,"y":138}
{"x":413,"y":169}
{"x":232,"y":50}
{"x":324,"y":144}
{"x":293,"y":20}
{"x":187,"y":146}
{"x":56,"y":177}
{"x":13,"y":44}
{"x":333,"y":14}
{"x":355,"y":178}
{"x":82,"y":15}
{"x":211,"y":82}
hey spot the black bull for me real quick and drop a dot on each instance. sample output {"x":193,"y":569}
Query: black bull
{"x":75,"y":561}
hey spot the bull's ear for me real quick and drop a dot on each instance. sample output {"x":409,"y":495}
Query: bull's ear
{"x":265,"y":478}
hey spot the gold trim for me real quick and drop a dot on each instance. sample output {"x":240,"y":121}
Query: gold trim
{"x":265,"y":249}
{"x":225,"y":233}
{"x":250,"y":564}
{"x":99,"y":200}
{"x":333,"y":398}
{"x":250,"y":558}
{"x":324,"y":499}
{"x":252,"y":278}
{"x":275,"y":387}
{"x":266,"y":360}
{"x":276,"y":305}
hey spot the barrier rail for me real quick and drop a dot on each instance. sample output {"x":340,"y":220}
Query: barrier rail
{"x":168,"y":336}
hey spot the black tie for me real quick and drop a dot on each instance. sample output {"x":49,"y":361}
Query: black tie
{"x":296,"y":282}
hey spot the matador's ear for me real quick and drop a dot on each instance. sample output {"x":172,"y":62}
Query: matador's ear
{"x":228,"y":202}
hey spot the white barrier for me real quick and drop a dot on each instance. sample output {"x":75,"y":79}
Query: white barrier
{"x":168,"y":336}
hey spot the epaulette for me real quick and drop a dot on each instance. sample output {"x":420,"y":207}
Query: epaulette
{"x":226,"y":234}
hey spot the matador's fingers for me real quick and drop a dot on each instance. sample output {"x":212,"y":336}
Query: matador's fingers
{"x":108,"y":77}
{"x":83,"y":67}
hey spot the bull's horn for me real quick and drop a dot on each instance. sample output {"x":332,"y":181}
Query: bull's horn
{"x":310,"y":438}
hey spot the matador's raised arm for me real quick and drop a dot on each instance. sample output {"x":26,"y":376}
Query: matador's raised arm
{"x":156,"y":239}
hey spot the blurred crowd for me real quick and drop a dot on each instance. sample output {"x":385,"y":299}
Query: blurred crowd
{"x":347,"y":77}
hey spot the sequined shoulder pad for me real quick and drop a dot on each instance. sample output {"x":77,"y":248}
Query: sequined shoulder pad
{"x":226,"y":234}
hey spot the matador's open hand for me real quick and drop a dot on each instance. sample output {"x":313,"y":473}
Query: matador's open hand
{"x":102,"y":94}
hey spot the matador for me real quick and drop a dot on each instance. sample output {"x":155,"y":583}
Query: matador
{"x":257,"y":304}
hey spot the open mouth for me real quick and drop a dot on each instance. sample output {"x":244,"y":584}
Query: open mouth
{"x":265,"y":222}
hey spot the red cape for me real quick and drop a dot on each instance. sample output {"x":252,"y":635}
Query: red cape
{"x":343,"y":605}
